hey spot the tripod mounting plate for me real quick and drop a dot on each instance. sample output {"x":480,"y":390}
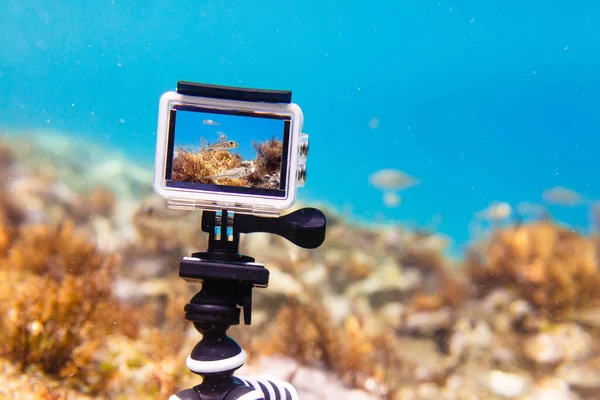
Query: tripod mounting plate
{"x":194,"y":269}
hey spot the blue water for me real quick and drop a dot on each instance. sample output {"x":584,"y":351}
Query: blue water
{"x":482,"y":101}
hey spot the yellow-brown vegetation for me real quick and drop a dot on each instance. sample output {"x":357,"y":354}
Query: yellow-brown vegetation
{"x":198,"y":167}
{"x":62,"y":306}
{"x":195,"y":167}
{"x":553,"y":267}
{"x":268,"y":156}
{"x":98,"y":201}
{"x":305,"y":333}
{"x":7,"y":157}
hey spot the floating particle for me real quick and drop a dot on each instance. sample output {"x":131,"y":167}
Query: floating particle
{"x":122,"y":121}
{"x":210,"y":122}
{"x":119,"y":64}
{"x":566,"y":48}
{"x":472,"y":20}
{"x":374,"y":123}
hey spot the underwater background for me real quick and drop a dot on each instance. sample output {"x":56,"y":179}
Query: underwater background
{"x":491,"y":106}
{"x":482,"y":102}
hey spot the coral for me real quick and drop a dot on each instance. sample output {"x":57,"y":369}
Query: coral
{"x":63,"y":303}
{"x":554,"y":268}
{"x":195,"y":167}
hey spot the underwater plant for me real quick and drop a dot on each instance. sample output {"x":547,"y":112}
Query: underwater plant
{"x":306,"y":333}
{"x":98,"y":201}
{"x":7,"y":157}
{"x":268,"y":156}
{"x":195,"y":167}
{"x":554,"y":268}
{"x":63,"y":306}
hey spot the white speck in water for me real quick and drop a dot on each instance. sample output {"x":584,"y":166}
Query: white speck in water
{"x":122,"y":121}
{"x":566,"y":48}
{"x":48,"y":121}
{"x":358,"y":89}
{"x":472,"y":20}
{"x":534,"y":72}
{"x":119,"y":64}
{"x":72,"y":104}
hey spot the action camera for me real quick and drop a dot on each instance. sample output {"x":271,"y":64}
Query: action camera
{"x":229,"y":148}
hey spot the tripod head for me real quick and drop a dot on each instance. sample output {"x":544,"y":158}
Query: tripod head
{"x":222,"y":265}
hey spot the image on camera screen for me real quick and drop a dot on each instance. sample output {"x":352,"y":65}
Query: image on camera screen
{"x":239,"y":150}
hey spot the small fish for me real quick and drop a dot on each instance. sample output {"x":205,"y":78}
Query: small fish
{"x":392,"y":179}
{"x":210,"y":122}
{"x":391,"y":199}
{"x":562,"y":196}
{"x":233,"y":173}
{"x":228,"y":145}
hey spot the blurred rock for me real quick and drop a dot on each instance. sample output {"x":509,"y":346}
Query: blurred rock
{"x":426,"y":323}
{"x":506,"y":384}
{"x":552,"y":389}
{"x":565,"y":342}
{"x":469,"y":335}
{"x":582,"y":379}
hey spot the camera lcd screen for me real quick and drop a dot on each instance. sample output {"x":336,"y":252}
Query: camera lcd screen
{"x":227,"y":151}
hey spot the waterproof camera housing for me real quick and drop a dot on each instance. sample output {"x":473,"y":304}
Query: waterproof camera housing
{"x":229,"y":148}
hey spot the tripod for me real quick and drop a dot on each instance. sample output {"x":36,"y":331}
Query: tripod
{"x":227,"y":279}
